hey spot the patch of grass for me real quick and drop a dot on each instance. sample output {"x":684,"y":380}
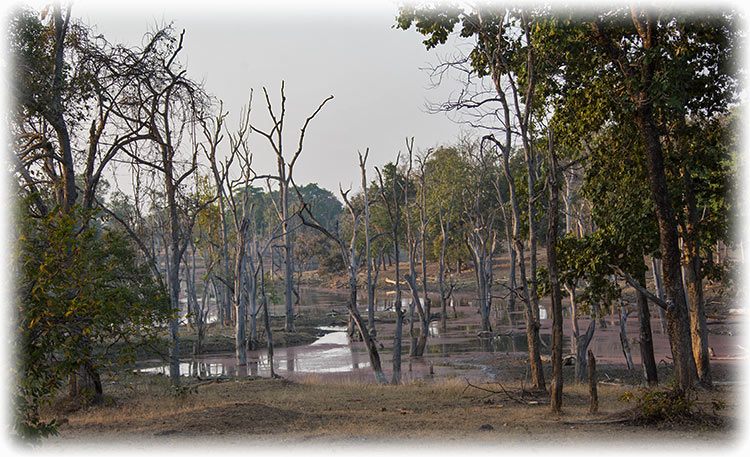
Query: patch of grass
{"x":671,"y":405}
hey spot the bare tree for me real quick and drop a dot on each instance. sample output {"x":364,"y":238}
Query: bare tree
{"x":352,"y":258}
{"x":519,"y":101}
{"x":446,"y":290}
{"x":170,"y":106}
{"x":482,"y":239}
{"x":392,"y":206}
{"x":415,"y":241}
{"x":285,"y":169}
{"x":212,"y":132}
{"x":368,"y":253}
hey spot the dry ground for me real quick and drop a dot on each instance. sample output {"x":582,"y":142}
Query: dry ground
{"x":445,"y":411}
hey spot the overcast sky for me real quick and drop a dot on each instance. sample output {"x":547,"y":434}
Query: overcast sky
{"x":346,"y":49}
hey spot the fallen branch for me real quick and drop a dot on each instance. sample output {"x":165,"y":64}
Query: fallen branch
{"x":494,"y":392}
{"x":595,"y":422}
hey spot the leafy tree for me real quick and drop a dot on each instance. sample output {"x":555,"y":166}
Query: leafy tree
{"x":84,"y":303}
{"x":447,"y":173}
{"x":651,"y":71}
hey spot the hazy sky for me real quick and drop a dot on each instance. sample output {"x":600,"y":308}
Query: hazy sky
{"x":346,"y":49}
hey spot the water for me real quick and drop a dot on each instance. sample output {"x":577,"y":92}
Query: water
{"x":460,"y":343}
{"x":330,"y":353}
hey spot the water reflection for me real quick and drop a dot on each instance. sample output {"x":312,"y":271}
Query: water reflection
{"x":331,"y":353}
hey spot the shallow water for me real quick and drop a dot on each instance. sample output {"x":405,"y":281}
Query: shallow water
{"x":450,"y":351}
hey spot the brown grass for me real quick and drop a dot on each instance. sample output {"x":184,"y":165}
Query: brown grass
{"x":441,"y":410}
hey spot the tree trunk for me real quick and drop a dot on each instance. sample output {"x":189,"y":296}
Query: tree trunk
{"x":556,"y":388}
{"x":591,"y":371}
{"x":646,"y":340}
{"x":240,"y":344}
{"x":678,"y":319}
{"x":396,"y":379}
{"x":698,"y":326}
{"x":624,"y":337}
{"x":288,"y":259}
{"x":174,"y":327}
{"x":582,"y":346}
{"x":532,"y":325}
{"x":266,"y":320}
{"x":252,"y":299}
{"x":359,"y":324}
{"x":368,"y":254}
{"x":656,"y":271}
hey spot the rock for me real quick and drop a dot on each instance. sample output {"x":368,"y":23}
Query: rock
{"x":486,"y":427}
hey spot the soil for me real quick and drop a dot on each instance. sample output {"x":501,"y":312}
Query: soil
{"x":277,"y":412}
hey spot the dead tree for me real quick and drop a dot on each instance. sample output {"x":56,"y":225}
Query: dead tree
{"x":446,"y":290}
{"x":518,"y":100}
{"x":482,"y":241}
{"x":285,"y":168}
{"x":212,"y":132}
{"x":413,"y":243}
{"x":170,"y":108}
{"x":368,"y":254}
{"x":532,"y":320}
{"x":392,"y":206}
{"x":352,"y":259}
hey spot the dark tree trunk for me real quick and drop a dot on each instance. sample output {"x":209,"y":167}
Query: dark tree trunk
{"x":359,"y":324}
{"x":556,"y":388}
{"x":678,"y":319}
{"x":593,"y":395}
{"x":693,"y":279}
{"x":646,"y":340}
{"x":624,"y":336}
{"x":656,"y":271}
{"x":582,"y":346}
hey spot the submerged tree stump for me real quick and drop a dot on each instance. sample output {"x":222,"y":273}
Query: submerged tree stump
{"x":591,"y":371}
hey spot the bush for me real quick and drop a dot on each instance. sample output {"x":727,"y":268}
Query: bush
{"x":80,"y":289}
{"x":671,"y":405}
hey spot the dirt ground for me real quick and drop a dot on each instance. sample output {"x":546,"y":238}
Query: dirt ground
{"x":277,"y":412}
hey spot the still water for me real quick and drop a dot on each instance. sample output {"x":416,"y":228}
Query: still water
{"x":447,"y":351}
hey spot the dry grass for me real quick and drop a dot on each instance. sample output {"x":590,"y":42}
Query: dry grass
{"x":441,"y":410}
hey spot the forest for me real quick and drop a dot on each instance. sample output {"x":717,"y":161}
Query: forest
{"x":570,"y":261}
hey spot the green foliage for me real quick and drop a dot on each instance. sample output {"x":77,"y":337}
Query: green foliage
{"x":448,"y":174}
{"x":434,"y":21}
{"x":588,"y":259}
{"x":660,"y":405}
{"x":83,"y":301}
{"x":182,"y":392}
{"x":312,"y":244}
{"x":718,"y":405}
